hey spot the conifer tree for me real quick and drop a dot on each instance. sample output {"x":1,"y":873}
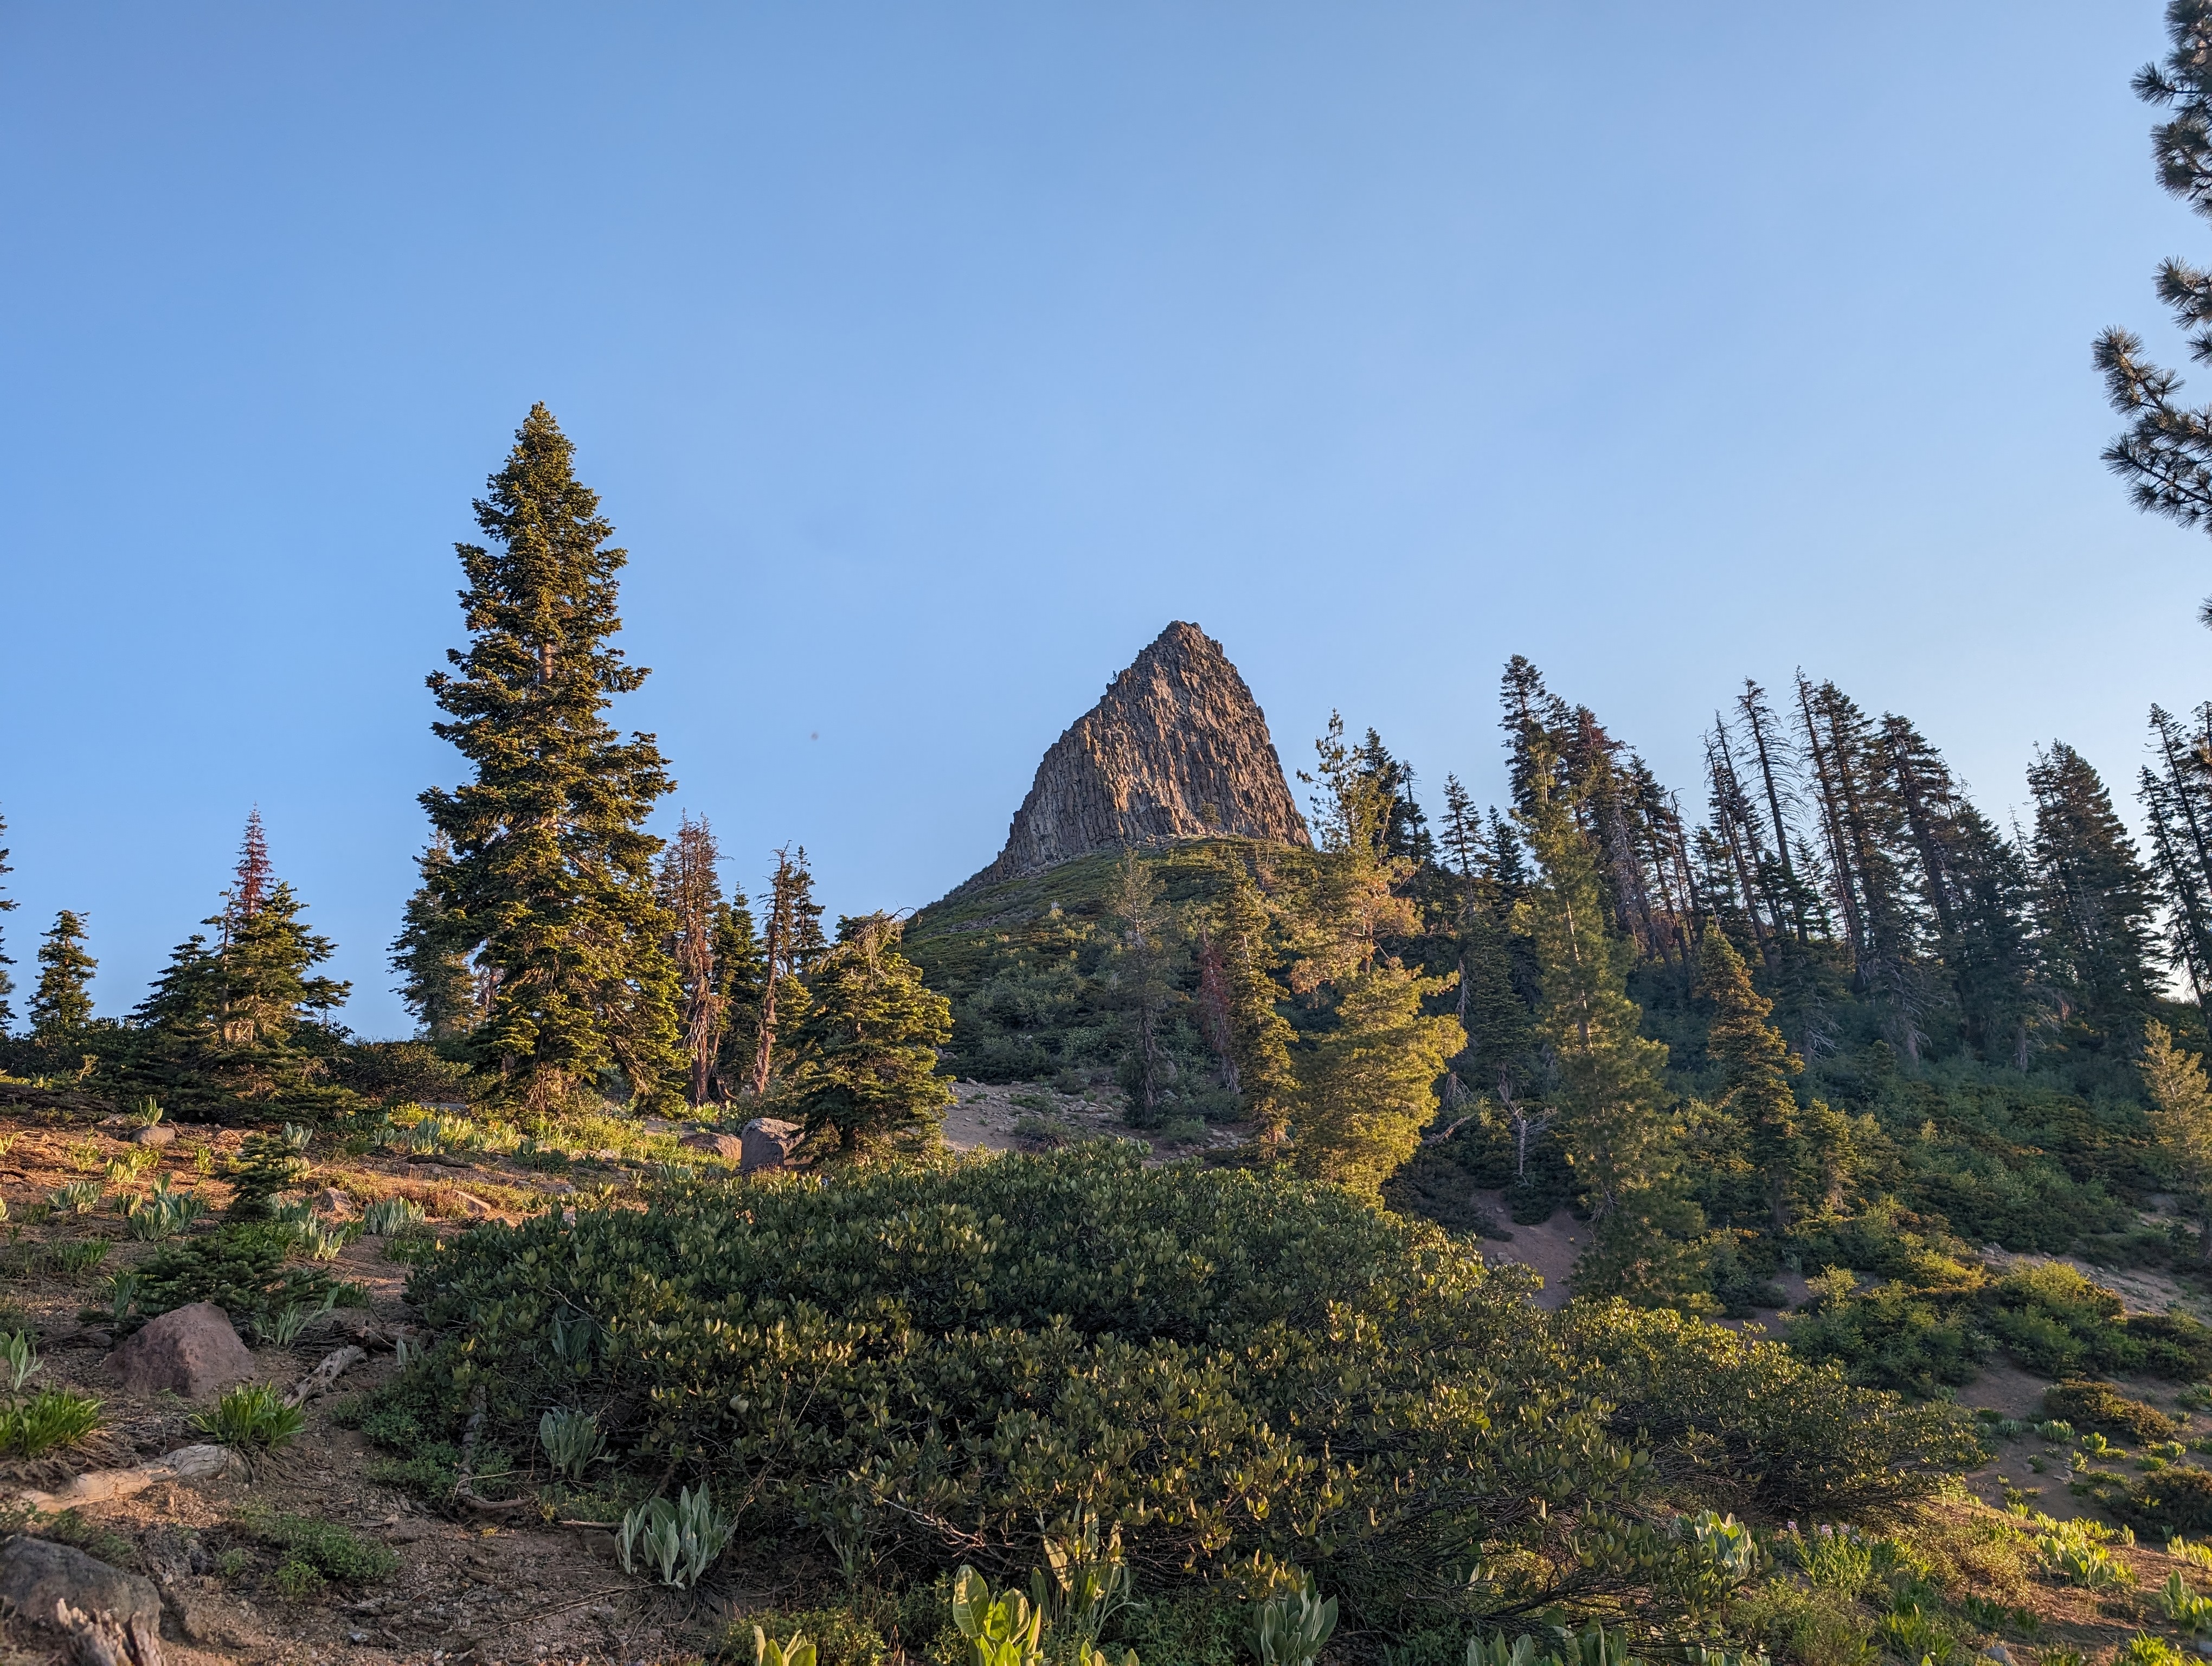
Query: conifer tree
{"x":61,"y":1006}
{"x":2093,"y":899}
{"x":865,"y":1060}
{"x":431,"y":954}
{"x":741,"y":976}
{"x":551,"y":866}
{"x":1370,"y":1080}
{"x":1356,"y":902}
{"x":1755,"y":1066}
{"x":1994,"y":964}
{"x":791,"y":944}
{"x":690,"y":885}
{"x":243,"y":1020}
{"x":1144,"y":978}
{"x":7,"y":983}
{"x":2166,"y":453}
{"x":2177,"y":798}
{"x":2181,"y":1118}
{"x":1612,"y":1106}
{"x":1258,"y":1037}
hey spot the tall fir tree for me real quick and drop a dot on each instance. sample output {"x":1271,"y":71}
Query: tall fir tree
{"x":61,"y":1006}
{"x":791,"y":944}
{"x":1144,"y":977}
{"x":2176,"y":800}
{"x":741,"y":976}
{"x":2094,"y":901}
{"x":2166,"y":453}
{"x":551,"y":867}
{"x":431,"y":954}
{"x":2181,"y":1120}
{"x":1612,"y":1107}
{"x":866,"y":1052}
{"x":1755,"y":1066}
{"x":1370,"y":1080}
{"x":1258,"y":1037}
{"x":7,"y":983}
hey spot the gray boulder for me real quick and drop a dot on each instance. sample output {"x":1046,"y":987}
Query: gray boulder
{"x":35,"y":1574}
{"x":190,"y":1350}
{"x":767,"y":1142}
{"x":160,"y":1134}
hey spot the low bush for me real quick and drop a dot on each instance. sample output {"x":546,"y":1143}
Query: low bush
{"x":240,"y":1269}
{"x":1226,"y":1362}
{"x":329,"y":1549}
{"x":2175,"y":1499}
{"x":2087,"y":1404}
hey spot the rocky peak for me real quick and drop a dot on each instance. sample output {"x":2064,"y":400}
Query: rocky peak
{"x":1178,"y":749}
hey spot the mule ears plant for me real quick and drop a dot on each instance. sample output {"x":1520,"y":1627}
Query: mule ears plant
{"x":1000,"y":1631}
{"x":1290,"y":1627}
{"x":795,"y":1651}
{"x":678,"y":1540}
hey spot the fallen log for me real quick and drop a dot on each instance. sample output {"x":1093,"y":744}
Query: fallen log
{"x":335,"y":1364}
{"x":101,"y":1639}
{"x":187,"y":1464}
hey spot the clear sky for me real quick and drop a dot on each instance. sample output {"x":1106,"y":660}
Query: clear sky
{"x":929,"y":359}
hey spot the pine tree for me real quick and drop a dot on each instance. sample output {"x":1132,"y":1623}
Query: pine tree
{"x":2181,"y":1118}
{"x":1145,"y":985}
{"x":1406,"y":834}
{"x":866,"y":1049}
{"x":2177,"y":798}
{"x":1611,"y":1104}
{"x":431,"y":954}
{"x":1355,"y":904}
{"x":1258,"y":1037}
{"x":2166,"y":455}
{"x":551,"y":866}
{"x":1993,"y":956}
{"x":2092,"y":900}
{"x":1755,"y":1066}
{"x":243,"y":1021}
{"x":792,"y":943}
{"x":61,"y":1006}
{"x":741,"y":977}
{"x":7,"y":983}
{"x":1370,"y":1081}
{"x":690,"y":887}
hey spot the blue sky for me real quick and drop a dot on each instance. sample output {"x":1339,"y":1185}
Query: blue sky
{"x":930,"y":359}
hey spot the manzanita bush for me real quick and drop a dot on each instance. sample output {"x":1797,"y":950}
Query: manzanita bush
{"x":1238,"y":1370}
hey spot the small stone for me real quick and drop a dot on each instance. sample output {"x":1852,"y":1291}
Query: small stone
{"x":160,"y":1134}
{"x":191,"y":1351}
{"x":332,"y":1201}
{"x":1999,"y":1653}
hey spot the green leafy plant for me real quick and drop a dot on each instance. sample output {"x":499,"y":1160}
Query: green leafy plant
{"x":2144,"y":1649}
{"x":795,"y":1651}
{"x":19,"y":1357}
{"x":79,"y":1197}
{"x":284,"y":1327}
{"x":148,"y":1114}
{"x":572,"y":1441}
{"x":2089,"y":1404}
{"x":79,"y":1256}
{"x":2069,"y":1553}
{"x":1084,"y":1581}
{"x":330,"y":1550}
{"x":252,"y":1417}
{"x":388,"y":1215}
{"x":1000,"y":1631}
{"x":1290,"y":1627}
{"x":2185,"y":1609}
{"x":49,"y":1418}
{"x":2056,"y":1431}
{"x":679,"y":1541}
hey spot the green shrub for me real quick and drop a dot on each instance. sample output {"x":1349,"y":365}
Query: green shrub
{"x":240,"y":1268}
{"x":1227,"y":1362}
{"x":2174,"y":1499}
{"x":49,"y":1418}
{"x":1894,"y":1337}
{"x":328,"y":1550}
{"x":2087,"y":1404}
{"x":841,"y":1636}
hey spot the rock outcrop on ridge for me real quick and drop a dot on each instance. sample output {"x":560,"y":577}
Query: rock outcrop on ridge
{"x":1177,"y":748}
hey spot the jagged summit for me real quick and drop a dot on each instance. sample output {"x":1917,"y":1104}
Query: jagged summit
{"x":1177,"y":748}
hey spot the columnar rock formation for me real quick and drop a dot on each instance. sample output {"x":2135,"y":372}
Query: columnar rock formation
{"x":1177,"y":750}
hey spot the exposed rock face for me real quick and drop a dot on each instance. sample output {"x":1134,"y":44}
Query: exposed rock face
{"x":1178,"y":749}
{"x":193,"y":1351}
{"x":35,"y":1574}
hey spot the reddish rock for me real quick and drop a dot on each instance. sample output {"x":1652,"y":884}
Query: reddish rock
{"x":727,"y":1146}
{"x":189,"y":1351}
{"x":1178,"y":749}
